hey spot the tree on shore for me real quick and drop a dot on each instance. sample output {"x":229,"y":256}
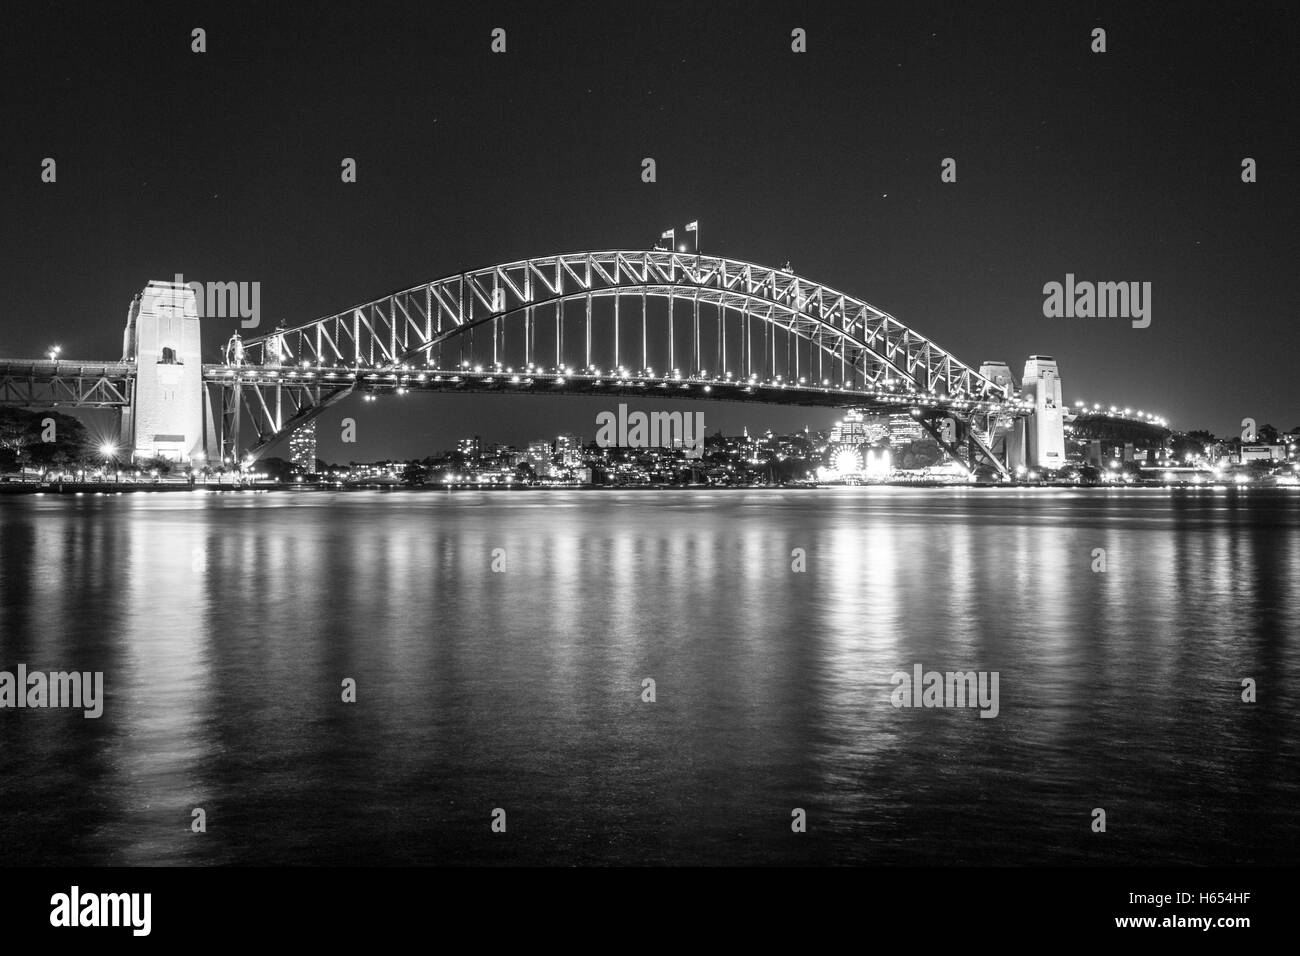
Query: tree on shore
{"x":149,"y":465}
{"x":24,"y":434}
{"x":277,"y":469}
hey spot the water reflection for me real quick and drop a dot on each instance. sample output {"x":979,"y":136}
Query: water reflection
{"x":225,"y":625}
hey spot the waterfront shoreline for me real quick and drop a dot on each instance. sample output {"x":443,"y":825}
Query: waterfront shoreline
{"x":82,"y":488}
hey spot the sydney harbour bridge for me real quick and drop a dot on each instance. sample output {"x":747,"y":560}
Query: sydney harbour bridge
{"x":622,"y":323}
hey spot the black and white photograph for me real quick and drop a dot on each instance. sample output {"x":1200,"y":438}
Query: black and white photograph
{"x":606,"y":450}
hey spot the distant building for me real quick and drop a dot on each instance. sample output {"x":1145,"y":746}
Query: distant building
{"x":470,"y":447}
{"x":569,"y":449}
{"x":903,"y":428}
{"x":856,"y":429}
{"x":302,"y":448}
{"x":1263,"y":453}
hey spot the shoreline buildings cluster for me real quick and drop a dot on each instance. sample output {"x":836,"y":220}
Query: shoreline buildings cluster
{"x":859,"y":448}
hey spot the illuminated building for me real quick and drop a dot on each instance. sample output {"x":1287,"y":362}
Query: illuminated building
{"x":302,"y":448}
{"x":569,"y":449}
{"x":903,"y":428}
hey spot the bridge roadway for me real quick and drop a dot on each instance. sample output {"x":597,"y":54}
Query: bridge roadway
{"x":98,"y":383}
{"x":76,"y":382}
{"x":595,"y":382}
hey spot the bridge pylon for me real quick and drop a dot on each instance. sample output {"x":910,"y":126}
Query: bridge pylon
{"x":169,"y":415}
{"x":1045,"y":433}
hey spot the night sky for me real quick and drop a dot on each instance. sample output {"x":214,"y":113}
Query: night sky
{"x":1122,"y":166}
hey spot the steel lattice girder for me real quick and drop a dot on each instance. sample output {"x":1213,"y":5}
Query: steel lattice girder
{"x":273,"y":407}
{"x":74,"y":383}
{"x":383,"y":333}
{"x":976,"y":448}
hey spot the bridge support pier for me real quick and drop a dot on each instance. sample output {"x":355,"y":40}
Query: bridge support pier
{"x":168,"y":416}
{"x":1046,"y":430}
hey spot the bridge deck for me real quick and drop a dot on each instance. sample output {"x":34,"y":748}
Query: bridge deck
{"x":72,"y":382}
{"x":63,"y":367}
{"x":573,"y":383}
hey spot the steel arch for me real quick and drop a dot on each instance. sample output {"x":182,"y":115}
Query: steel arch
{"x":387,"y":332}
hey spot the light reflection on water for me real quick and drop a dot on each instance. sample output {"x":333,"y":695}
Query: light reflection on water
{"x":522,"y":689}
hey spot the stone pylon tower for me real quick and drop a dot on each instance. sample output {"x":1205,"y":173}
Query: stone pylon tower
{"x":169,"y":415}
{"x":1046,"y":428}
{"x":1006,"y":436}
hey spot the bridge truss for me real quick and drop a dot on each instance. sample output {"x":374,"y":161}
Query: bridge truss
{"x":71,"y":382}
{"x":614,"y":322}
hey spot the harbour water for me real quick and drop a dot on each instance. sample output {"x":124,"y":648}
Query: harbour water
{"x":500,"y":645}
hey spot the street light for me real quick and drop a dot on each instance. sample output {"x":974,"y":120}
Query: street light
{"x":53,"y":352}
{"x":108,"y":450}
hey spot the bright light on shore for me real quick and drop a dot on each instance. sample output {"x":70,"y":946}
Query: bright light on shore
{"x":108,"y":449}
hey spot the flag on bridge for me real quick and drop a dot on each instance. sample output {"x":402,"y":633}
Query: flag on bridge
{"x":671,"y":236}
{"x":695,"y":228}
